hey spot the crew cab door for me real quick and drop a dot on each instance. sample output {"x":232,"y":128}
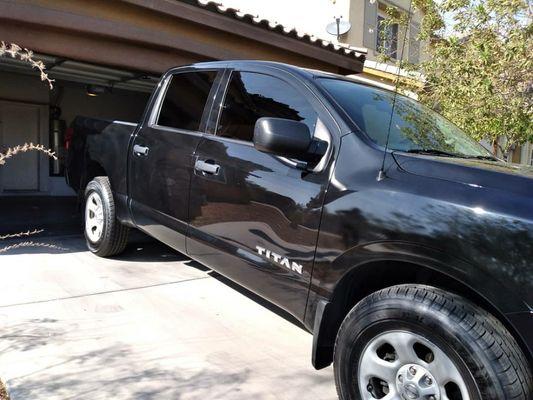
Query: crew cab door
{"x":254,"y":217}
{"x":161,"y":158}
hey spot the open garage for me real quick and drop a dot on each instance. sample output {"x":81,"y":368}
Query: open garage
{"x":30,"y":112}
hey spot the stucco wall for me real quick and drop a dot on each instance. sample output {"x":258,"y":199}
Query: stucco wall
{"x":357,"y":19}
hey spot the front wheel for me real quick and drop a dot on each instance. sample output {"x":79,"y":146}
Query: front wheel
{"x":415,"y":342}
{"x":104,"y":234}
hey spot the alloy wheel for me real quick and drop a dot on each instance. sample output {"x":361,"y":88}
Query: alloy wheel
{"x":401,"y":365}
{"x":94,"y":217}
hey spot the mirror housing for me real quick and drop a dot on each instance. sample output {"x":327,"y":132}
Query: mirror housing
{"x":287,"y":138}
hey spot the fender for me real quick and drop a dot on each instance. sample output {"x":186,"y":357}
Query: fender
{"x":109,"y":148}
{"x":490,"y":288}
{"x":107,"y":145}
{"x":410,"y":262}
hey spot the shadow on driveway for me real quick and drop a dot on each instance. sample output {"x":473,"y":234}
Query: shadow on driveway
{"x":144,"y":249}
{"x":148,"y":324}
{"x":54,"y":215}
{"x":95,"y":372}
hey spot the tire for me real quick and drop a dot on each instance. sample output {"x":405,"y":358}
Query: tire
{"x":104,"y":234}
{"x":423,"y":341}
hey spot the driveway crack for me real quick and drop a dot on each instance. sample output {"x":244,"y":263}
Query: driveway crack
{"x":103,"y":292}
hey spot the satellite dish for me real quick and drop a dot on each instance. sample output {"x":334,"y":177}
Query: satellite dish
{"x":338,"y":27}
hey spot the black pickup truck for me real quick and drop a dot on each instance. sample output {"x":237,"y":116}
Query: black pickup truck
{"x":405,"y":247}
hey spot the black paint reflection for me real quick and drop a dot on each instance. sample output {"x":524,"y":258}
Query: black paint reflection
{"x":481,"y":235}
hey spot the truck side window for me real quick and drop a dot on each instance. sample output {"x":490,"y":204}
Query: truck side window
{"x":251,"y":96}
{"x":185,"y":100}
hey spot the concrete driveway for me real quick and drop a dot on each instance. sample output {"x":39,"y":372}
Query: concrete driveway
{"x":150,"y":324}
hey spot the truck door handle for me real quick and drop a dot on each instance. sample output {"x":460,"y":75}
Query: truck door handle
{"x":207,"y":167}
{"x":140,"y":150}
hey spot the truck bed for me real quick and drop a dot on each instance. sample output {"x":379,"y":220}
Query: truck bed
{"x":98,"y":146}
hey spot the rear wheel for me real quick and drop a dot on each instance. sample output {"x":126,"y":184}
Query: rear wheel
{"x":104,"y":234}
{"x":412,"y":342}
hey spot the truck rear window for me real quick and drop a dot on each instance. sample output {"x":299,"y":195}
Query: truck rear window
{"x":185,"y":100}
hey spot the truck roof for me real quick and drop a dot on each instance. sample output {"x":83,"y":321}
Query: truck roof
{"x":302,"y":71}
{"x":307,"y":72}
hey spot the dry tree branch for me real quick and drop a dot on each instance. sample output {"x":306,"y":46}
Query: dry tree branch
{"x":15,"y":51}
{"x":21,"y":234}
{"x":12,"y":151}
{"x":31,"y":244}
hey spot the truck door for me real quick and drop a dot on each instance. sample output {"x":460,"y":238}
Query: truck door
{"x":161,"y":161}
{"x":253,"y":216}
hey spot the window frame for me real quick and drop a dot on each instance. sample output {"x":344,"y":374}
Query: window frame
{"x":381,"y":13}
{"x":162,"y":92}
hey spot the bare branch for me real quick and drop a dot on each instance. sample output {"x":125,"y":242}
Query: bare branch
{"x":31,"y":244}
{"x":13,"y":50}
{"x":21,"y":234}
{"x":12,"y":151}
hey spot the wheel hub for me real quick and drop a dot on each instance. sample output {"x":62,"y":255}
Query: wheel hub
{"x":404,"y":365}
{"x":94,"y":217}
{"x":414,"y":382}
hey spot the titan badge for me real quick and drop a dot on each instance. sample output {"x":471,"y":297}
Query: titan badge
{"x":290,"y":265}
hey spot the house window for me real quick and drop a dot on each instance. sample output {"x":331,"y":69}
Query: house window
{"x":387,"y":37}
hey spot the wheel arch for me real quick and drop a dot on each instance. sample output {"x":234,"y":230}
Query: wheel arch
{"x":372,"y":276}
{"x":93,"y":169}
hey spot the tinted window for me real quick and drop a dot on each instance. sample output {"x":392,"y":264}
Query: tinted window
{"x":185,"y":100}
{"x":413,"y":126}
{"x":251,"y":96}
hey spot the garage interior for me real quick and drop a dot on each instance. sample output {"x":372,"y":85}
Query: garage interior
{"x":34,"y":194}
{"x":31,"y":112}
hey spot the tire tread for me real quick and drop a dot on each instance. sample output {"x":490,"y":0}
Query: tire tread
{"x":115,"y":236}
{"x":503,"y":352}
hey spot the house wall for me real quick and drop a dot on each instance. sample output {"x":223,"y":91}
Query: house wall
{"x":312,"y":16}
{"x":363,"y":17}
{"x":523,"y":154}
{"x":527,"y":154}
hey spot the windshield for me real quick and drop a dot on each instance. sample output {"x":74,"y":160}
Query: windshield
{"x":414,"y":127}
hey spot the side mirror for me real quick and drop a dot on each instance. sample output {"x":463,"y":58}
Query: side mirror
{"x":282,"y":137}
